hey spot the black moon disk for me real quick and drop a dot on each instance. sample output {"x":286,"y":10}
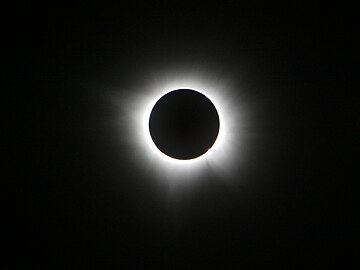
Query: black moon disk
{"x":184,"y":124}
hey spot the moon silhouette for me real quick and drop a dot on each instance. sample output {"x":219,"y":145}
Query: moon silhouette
{"x":184,"y":124}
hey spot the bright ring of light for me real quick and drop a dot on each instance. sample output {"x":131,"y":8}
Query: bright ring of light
{"x":224,"y":155}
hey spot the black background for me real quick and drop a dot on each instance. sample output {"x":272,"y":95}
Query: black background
{"x":84,"y":204}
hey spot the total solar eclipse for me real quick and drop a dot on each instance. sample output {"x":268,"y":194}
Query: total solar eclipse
{"x":184,"y":124}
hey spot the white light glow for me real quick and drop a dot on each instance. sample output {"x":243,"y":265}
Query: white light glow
{"x":221,"y":159}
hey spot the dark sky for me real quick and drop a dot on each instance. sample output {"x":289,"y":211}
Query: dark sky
{"x":86,"y":204}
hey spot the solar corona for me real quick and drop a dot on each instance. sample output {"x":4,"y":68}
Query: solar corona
{"x":182,"y":127}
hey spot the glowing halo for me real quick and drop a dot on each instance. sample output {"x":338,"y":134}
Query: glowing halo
{"x":222,"y":158}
